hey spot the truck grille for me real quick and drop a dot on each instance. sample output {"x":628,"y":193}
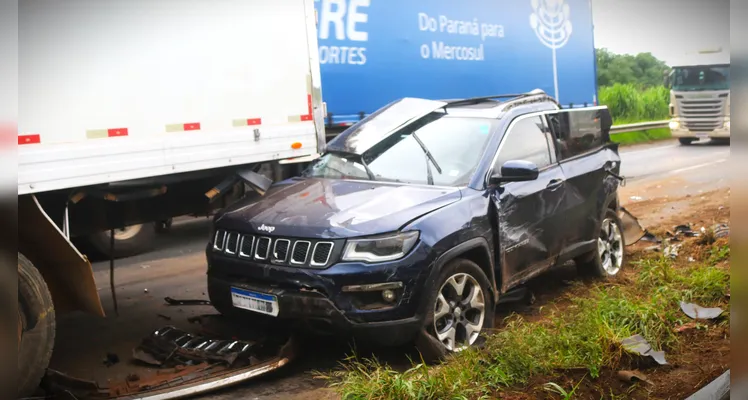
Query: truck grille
{"x":278,"y":251}
{"x":701,"y":115}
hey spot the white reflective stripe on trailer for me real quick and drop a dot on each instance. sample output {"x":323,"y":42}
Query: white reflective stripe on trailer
{"x":162,"y":87}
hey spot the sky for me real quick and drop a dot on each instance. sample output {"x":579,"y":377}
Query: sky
{"x":666,"y":28}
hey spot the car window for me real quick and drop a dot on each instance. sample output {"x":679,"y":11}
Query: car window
{"x":456,"y":143}
{"x":526,"y":140}
{"x":577,"y":131}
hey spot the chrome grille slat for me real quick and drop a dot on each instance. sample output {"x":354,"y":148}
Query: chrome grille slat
{"x":262,"y":249}
{"x":321,"y":254}
{"x":280,"y":249}
{"x":232,"y":243}
{"x":246,"y":246}
{"x":219,"y":240}
{"x":300,"y":251}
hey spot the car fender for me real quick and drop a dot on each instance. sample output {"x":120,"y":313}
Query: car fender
{"x":455,"y":252}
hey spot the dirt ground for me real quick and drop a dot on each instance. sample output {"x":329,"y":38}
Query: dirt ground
{"x":703,"y":356}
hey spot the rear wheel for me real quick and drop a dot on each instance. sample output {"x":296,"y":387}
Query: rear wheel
{"x":607,"y":259}
{"x":128,"y":241}
{"x":461,"y":308}
{"x":686,"y":140}
{"x":36,"y":327}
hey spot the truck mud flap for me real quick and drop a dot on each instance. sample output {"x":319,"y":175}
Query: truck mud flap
{"x":187,"y":364}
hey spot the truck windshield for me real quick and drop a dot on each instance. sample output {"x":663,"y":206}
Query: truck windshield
{"x":716,"y":77}
{"x":456,"y":143}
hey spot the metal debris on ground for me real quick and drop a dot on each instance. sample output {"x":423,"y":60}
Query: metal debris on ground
{"x":186,"y":302}
{"x":633,"y":377}
{"x":671,"y":250}
{"x":632,"y":229}
{"x":697,"y":312}
{"x":638,"y":345}
{"x":721,"y":230}
{"x":187,"y":364}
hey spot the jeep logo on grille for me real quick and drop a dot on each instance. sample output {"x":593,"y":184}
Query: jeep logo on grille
{"x":266,"y":228}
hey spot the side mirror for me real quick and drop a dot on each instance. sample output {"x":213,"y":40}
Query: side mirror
{"x":515,"y":171}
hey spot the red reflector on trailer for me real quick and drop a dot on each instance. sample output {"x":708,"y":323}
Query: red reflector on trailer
{"x":116,"y":132}
{"x":29,"y":139}
{"x":193,"y":126}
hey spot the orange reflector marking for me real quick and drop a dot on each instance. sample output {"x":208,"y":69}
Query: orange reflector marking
{"x":296,"y":145}
{"x":29,"y":139}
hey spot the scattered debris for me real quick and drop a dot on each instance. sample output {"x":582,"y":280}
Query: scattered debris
{"x":632,"y":229}
{"x":697,"y":312}
{"x":649,"y":237}
{"x":145,"y":290}
{"x":686,"y":327}
{"x":684,"y":230}
{"x":633,"y":377}
{"x":110,"y":359}
{"x":636,"y":198}
{"x":721,"y":230}
{"x":166,"y":317}
{"x":184,"y":370}
{"x":671,"y":250}
{"x":186,"y":302}
{"x":691,"y":259}
{"x":638,"y":345}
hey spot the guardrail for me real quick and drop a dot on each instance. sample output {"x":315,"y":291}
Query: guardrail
{"x":639,"y":126}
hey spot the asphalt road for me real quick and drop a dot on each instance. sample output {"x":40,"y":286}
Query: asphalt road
{"x":177,"y":269}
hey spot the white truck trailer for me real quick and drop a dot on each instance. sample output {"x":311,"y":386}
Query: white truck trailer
{"x":139,"y":111}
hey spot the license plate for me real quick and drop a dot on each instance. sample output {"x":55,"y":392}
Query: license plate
{"x":702,"y":135}
{"x":254,"y":301}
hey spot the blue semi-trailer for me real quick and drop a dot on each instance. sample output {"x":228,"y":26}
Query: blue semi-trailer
{"x":373,"y":52}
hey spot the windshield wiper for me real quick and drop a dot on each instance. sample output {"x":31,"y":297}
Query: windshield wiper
{"x":368,"y":170}
{"x":429,"y":157}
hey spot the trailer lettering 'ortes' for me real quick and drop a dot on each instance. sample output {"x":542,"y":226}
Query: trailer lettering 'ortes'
{"x":138,"y":111}
{"x":700,"y":96}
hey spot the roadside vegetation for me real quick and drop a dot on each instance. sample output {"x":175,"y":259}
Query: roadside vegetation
{"x":578,"y":336}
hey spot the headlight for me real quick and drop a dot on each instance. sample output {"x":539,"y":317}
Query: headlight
{"x":727,"y":124}
{"x":674,"y":125}
{"x":380,"y":248}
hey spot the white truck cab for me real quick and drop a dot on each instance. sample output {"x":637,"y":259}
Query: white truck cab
{"x":700,"y":97}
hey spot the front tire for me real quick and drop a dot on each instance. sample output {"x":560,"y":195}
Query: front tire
{"x":36,"y":327}
{"x":460,"y":309}
{"x":607,"y":259}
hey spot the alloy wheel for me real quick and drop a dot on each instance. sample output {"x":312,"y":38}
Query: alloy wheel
{"x":459,"y":312}
{"x":610,"y":246}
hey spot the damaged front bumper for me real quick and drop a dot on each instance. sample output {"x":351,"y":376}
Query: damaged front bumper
{"x":310,"y":309}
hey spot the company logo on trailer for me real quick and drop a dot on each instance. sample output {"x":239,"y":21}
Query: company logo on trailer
{"x":550,"y":21}
{"x":344,"y":20}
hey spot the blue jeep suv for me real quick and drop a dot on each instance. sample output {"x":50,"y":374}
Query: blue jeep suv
{"x":415,"y":220}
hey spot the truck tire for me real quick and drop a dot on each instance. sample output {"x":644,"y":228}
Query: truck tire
{"x":130,"y":241}
{"x":686,"y":140}
{"x":36,"y":327}
{"x":608,"y":257}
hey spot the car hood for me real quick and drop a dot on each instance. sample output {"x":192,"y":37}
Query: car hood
{"x":328,"y":208}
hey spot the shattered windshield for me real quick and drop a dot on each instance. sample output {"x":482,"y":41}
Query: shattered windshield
{"x":701,"y":78}
{"x":456,"y":143}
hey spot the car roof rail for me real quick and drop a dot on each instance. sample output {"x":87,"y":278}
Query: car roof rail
{"x":539,"y":95}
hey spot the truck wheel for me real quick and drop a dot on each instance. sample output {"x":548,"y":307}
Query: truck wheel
{"x":36,"y":327}
{"x":460,"y":309}
{"x":686,"y":140}
{"x":129,"y":241}
{"x":608,"y":258}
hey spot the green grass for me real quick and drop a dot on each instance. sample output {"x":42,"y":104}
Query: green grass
{"x":628,"y":104}
{"x":650,"y":135}
{"x":585,"y":334}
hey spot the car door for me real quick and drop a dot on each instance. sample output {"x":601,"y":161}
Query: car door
{"x":527,"y":213}
{"x":583,"y":160}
